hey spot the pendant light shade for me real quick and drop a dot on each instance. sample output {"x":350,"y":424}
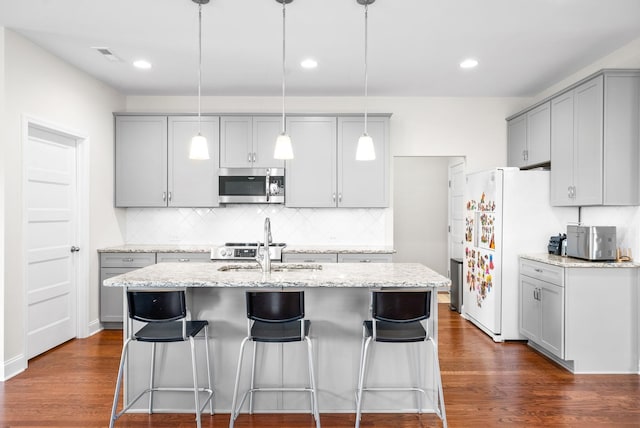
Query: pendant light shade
{"x":365,"y":150}
{"x":199,"y":148}
{"x":283,"y":149}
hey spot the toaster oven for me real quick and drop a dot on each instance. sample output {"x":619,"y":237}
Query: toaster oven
{"x":591,"y":242}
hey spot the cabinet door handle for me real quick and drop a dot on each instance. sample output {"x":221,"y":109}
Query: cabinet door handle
{"x":537,"y":270}
{"x":525,"y":155}
{"x":254,"y":157}
{"x":339,"y":197}
{"x":127,"y":259}
{"x":164,"y":196}
{"x":169,"y":196}
{"x":183,"y":260}
{"x":365,"y":261}
{"x":333,"y":195}
{"x":249,"y":157}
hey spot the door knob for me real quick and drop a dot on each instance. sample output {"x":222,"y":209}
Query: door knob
{"x":75,"y":249}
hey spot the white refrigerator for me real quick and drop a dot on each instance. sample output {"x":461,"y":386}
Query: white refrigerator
{"x":507,"y":214}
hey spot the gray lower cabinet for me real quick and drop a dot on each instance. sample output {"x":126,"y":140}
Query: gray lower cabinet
{"x":581,"y":317}
{"x":337,"y":258}
{"x":595,"y":139}
{"x":310,"y":258}
{"x":112,"y":264}
{"x":365,"y":258}
{"x":152,"y":165}
{"x":183,"y":257}
{"x":542,"y":305}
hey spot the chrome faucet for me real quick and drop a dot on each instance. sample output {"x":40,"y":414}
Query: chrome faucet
{"x":265,"y":259}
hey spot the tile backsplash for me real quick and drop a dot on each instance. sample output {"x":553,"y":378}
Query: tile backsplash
{"x":244,"y":223}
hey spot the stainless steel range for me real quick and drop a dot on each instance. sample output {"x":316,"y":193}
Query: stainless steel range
{"x":247,"y":251}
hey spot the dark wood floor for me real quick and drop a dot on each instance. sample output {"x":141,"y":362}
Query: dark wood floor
{"x":485,"y":385}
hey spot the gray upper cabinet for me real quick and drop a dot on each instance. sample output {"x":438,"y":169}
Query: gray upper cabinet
{"x":594,"y":142}
{"x":192,"y":183}
{"x":311,"y":175}
{"x":363,"y":184}
{"x":529,"y":137}
{"x":324,"y":172}
{"x":249,"y":141}
{"x":152,"y":165}
{"x":141,"y":161}
{"x":517,"y":141}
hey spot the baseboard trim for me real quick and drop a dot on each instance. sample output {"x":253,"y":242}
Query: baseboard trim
{"x":14,"y":366}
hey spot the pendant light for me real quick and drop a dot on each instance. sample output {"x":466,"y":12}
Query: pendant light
{"x":365,"y":150}
{"x":283,"y":148}
{"x":199,"y":147}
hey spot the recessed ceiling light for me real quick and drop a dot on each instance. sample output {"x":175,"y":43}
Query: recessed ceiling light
{"x":309,"y":63}
{"x":469,"y":63}
{"x":142,"y":64}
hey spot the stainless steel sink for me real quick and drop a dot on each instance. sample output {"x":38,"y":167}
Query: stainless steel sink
{"x":289,"y":267}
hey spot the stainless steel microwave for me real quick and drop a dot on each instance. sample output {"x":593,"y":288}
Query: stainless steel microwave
{"x":251,"y":185}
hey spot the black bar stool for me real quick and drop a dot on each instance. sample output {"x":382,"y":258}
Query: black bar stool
{"x":165,"y":313}
{"x":398,"y":317}
{"x":275,"y":317}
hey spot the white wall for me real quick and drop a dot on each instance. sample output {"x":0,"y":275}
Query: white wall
{"x":420,"y":199}
{"x":40,"y":85}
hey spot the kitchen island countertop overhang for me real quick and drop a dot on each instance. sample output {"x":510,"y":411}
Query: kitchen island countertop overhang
{"x":342,"y":275}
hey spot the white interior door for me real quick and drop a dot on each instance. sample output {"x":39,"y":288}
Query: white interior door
{"x":51,"y":232}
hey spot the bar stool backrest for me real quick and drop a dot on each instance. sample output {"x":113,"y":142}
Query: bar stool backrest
{"x":401,"y":306}
{"x":275,"y":306}
{"x":157,"y":306}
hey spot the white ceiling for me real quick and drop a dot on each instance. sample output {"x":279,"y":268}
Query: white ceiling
{"x":523,"y":46}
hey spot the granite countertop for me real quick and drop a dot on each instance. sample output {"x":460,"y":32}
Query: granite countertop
{"x":338,"y":275}
{"x":293,"y":249}
{"x":570,"y":262}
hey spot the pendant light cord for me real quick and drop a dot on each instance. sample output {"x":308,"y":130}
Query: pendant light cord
{"x":284,"y":15}
{"x":366,"y":65}
{"x":199,"y":64}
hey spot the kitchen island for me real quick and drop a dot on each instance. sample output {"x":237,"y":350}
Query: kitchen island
{"x":337,"y":301}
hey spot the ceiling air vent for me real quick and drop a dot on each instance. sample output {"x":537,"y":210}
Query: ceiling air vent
{"x":105,"y":52}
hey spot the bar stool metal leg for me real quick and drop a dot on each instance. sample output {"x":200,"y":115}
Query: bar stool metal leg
{"x":363,"y":367}
{"x":209,"y":380}
{"x":441,"y":409}
{"x":152,"y":378}
{"x":253,"y":377}
{"x":234,"y":407}
{"x":312,"y":381}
